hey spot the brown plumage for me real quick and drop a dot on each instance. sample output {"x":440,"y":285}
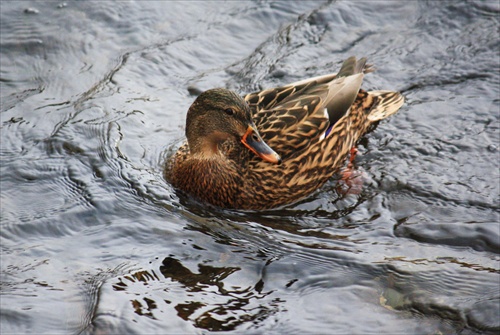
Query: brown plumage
{"x":309,"y":127}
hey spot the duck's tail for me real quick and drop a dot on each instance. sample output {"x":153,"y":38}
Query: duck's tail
{"x":352,"y":66}
{"x":386,"y":104}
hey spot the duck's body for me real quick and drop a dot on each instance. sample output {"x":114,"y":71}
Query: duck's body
{"x":311,"y":124}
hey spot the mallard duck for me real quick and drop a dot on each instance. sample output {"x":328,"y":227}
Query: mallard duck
{"x":274,"y":147}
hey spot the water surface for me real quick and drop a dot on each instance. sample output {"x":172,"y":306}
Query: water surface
{"x":93,"y":240}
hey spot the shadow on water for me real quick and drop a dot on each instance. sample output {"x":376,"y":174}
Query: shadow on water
{"x":228,"y":309}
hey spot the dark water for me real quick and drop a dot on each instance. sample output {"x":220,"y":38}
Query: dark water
{"x":94,"y":241}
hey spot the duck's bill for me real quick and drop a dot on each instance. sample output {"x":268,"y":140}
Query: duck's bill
{"x":252,"y":140}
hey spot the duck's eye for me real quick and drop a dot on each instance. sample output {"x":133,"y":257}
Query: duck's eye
{"x":229,"y":111}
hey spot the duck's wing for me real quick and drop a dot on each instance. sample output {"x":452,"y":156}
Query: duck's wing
{"x":293,"y":117}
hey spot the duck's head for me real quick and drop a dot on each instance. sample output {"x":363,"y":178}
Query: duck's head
{"x":218,"y":115}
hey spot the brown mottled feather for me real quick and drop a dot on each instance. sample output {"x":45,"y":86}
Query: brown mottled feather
{"x":292,"y":120}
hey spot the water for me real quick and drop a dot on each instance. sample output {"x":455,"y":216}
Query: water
{"x":93,"y":240}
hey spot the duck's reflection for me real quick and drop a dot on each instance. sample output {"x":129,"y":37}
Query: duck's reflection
{"x":205,"y":300}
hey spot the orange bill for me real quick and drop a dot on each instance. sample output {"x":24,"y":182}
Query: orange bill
{"x":252,"y":140}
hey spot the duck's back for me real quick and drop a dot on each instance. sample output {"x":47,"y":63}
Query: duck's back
{"x":294,"y":122}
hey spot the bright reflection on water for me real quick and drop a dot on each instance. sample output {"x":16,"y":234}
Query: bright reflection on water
{"x":93,"y":240}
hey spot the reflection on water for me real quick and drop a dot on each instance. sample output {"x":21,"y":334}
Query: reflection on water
{"x":94,"y":96}
{"x":207,"y":303}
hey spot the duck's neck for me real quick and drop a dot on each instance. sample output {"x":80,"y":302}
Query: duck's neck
{"x":207,"y":147}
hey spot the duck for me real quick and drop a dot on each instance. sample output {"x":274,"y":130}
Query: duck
{"x":275,"y":147}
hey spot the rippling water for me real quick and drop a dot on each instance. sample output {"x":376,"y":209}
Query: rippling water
{"x":93,"y":240}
